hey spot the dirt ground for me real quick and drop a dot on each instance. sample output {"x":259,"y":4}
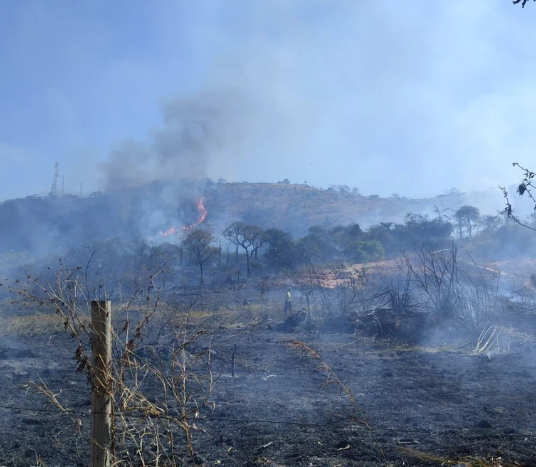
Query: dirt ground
{"x":286,"y":406}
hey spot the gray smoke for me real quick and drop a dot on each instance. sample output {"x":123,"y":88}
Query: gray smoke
{"x":196,"y":131}
{"x":337,"y":92}
{"x":253,"y":105}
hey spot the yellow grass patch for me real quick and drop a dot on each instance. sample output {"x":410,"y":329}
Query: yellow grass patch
{"x":31,"y":325}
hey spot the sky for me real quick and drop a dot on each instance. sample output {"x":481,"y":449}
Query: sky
{"x":389,"y":97}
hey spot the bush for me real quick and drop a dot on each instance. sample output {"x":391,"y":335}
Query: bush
{"x":363,"y":251}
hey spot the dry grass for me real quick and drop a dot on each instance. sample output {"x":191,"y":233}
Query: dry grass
{"x":31,"y":325}
{"x":283,"y":203}
{"x":422,"y":456}
{"x":463,"y":347}
{"x":465,"y":461}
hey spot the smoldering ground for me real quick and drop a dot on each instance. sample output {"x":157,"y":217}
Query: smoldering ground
{"x":275,"y":403}
{"x":428,"y":400}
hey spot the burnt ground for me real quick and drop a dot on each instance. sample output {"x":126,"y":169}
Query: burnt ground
{"x":416,"y":406}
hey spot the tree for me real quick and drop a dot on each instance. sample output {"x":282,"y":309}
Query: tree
{"x":423,"y":230}
{"x":318,"y":244}
{"x":383,"y":233}
{"x":199,"y":243}
{"x":249,"y":237}
{"x":343,"y":237}
{"x":280,"y":252}
{"x":467,"y":216}
{"x":440,"y":213}
{"x":491,"y":223}
{"x":363,"y":251}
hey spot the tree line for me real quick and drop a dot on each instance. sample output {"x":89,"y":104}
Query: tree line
{"x":273,"y":250}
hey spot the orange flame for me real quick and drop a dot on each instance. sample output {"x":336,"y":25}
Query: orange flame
{"x":203,"y":214}
{"x":169,"y":232}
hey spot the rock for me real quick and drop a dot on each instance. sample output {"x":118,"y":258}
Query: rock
{"x":484,"y":424}
{"x":31,"y":421}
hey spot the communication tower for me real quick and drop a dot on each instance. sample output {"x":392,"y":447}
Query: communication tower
{"x":54,"y":188}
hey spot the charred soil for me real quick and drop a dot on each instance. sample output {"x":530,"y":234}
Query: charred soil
{"x":366,"y":402}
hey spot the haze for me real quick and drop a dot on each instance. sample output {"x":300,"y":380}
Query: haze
{"x":389,"y":97}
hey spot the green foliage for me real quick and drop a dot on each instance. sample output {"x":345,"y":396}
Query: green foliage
{"x":364,"y":251}
{"x":420,"y":229}
{"x":318,"y":244}
{"x":281,"y":252}
{"x":384,"y":233}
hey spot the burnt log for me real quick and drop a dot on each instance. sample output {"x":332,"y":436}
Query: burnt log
{"x":293,"y":322}
{"x":386,"y":323}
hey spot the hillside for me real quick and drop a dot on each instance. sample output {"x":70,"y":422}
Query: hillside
{"x":294,"y":207}
{"x":43,"y":224}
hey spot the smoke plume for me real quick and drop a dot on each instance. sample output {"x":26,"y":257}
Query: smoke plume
{"x":196,"y":131}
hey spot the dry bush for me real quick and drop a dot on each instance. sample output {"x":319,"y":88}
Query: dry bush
{"x":161,"y":376}
{"x":446,"y":290}
{"x":459,"y":295}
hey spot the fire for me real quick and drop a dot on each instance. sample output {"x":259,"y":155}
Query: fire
{"x":169,"y":232}
{"x":202,"y":215}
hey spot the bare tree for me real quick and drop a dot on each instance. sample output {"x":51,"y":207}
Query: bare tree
{"x":525,"y":187}
{"x":249,"y":237}
{"x":468,"y":296}
{"x":515,"y":2}
{"x":435,"y":274}
{"x":199,"y":243}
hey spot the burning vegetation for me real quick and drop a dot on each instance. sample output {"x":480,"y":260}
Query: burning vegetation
{"x":202,"y":215}
{"x":398,"y":343}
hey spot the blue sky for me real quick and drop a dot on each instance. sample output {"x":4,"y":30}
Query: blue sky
{"x":390,"y":97}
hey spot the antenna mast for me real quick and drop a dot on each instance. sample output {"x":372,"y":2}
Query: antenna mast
{"x":54,"y":188}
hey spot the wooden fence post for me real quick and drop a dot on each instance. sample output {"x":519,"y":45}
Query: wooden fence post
{"x":101,"y":403}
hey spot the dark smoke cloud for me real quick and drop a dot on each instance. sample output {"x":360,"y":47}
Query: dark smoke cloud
{"x":195,"y":132}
